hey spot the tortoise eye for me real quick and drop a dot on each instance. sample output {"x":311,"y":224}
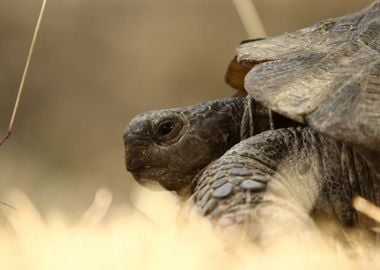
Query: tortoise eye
{"x":165,"y":128}
{"x":168,"y":129}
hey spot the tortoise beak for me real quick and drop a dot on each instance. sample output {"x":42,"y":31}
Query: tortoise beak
{"x":135,"y":151}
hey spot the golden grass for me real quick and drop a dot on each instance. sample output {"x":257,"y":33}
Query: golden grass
{"x":156,"y":234}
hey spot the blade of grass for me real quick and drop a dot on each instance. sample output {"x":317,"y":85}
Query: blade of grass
{"x":254,"y":28}
{"x":366,"y":207}
{"x":25,"y":72}
{"x":250,"y":18}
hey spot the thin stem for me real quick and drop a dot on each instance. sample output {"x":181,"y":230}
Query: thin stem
{"x":254,"y":28}
{"x":26,"y":69}
{"x":250,"y":18}
{"x":366,"y":207}
{"x":7,"y":205}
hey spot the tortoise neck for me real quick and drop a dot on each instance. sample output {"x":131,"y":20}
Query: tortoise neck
{"x":256,"y":119}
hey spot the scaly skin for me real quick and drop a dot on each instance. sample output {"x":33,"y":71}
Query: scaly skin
{"x":327,"y":76}
{"x":282,"y":177}
{"x":296,"y":170}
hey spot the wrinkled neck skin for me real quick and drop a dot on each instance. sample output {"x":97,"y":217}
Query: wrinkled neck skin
{"x":257,"y":119}
{"x":252,"y":118}
{"x":373,"y":159}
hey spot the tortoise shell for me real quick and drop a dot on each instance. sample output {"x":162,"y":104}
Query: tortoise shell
{"x":326,"y":76}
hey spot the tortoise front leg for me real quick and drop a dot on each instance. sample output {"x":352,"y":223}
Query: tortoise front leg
{"x":277,"y":180}
{"x":240,"y":199}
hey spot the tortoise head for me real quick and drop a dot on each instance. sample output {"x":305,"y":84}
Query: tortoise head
{"x":171,"y":146}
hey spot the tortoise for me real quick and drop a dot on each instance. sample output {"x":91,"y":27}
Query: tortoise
{"x":243,"y":166}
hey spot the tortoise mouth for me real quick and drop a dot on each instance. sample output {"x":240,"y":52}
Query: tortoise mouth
{"x":138,"y":168}
{"x":146,"y":173}
{"x":148,"y":183}
{"x":151,"y":177}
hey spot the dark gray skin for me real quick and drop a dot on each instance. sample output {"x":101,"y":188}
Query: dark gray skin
{"x":327,"y":77}
{"x":172,"y":146}
{"x":287,"y":168}
{"x":282,"y":177}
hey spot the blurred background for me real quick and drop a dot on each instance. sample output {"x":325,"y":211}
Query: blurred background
{"x":97,"y":63}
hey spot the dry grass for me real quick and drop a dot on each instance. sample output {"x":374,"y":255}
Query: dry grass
{"x":367,"y":208}
{"x":25,"y":72}
{"x":153,"y":235}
